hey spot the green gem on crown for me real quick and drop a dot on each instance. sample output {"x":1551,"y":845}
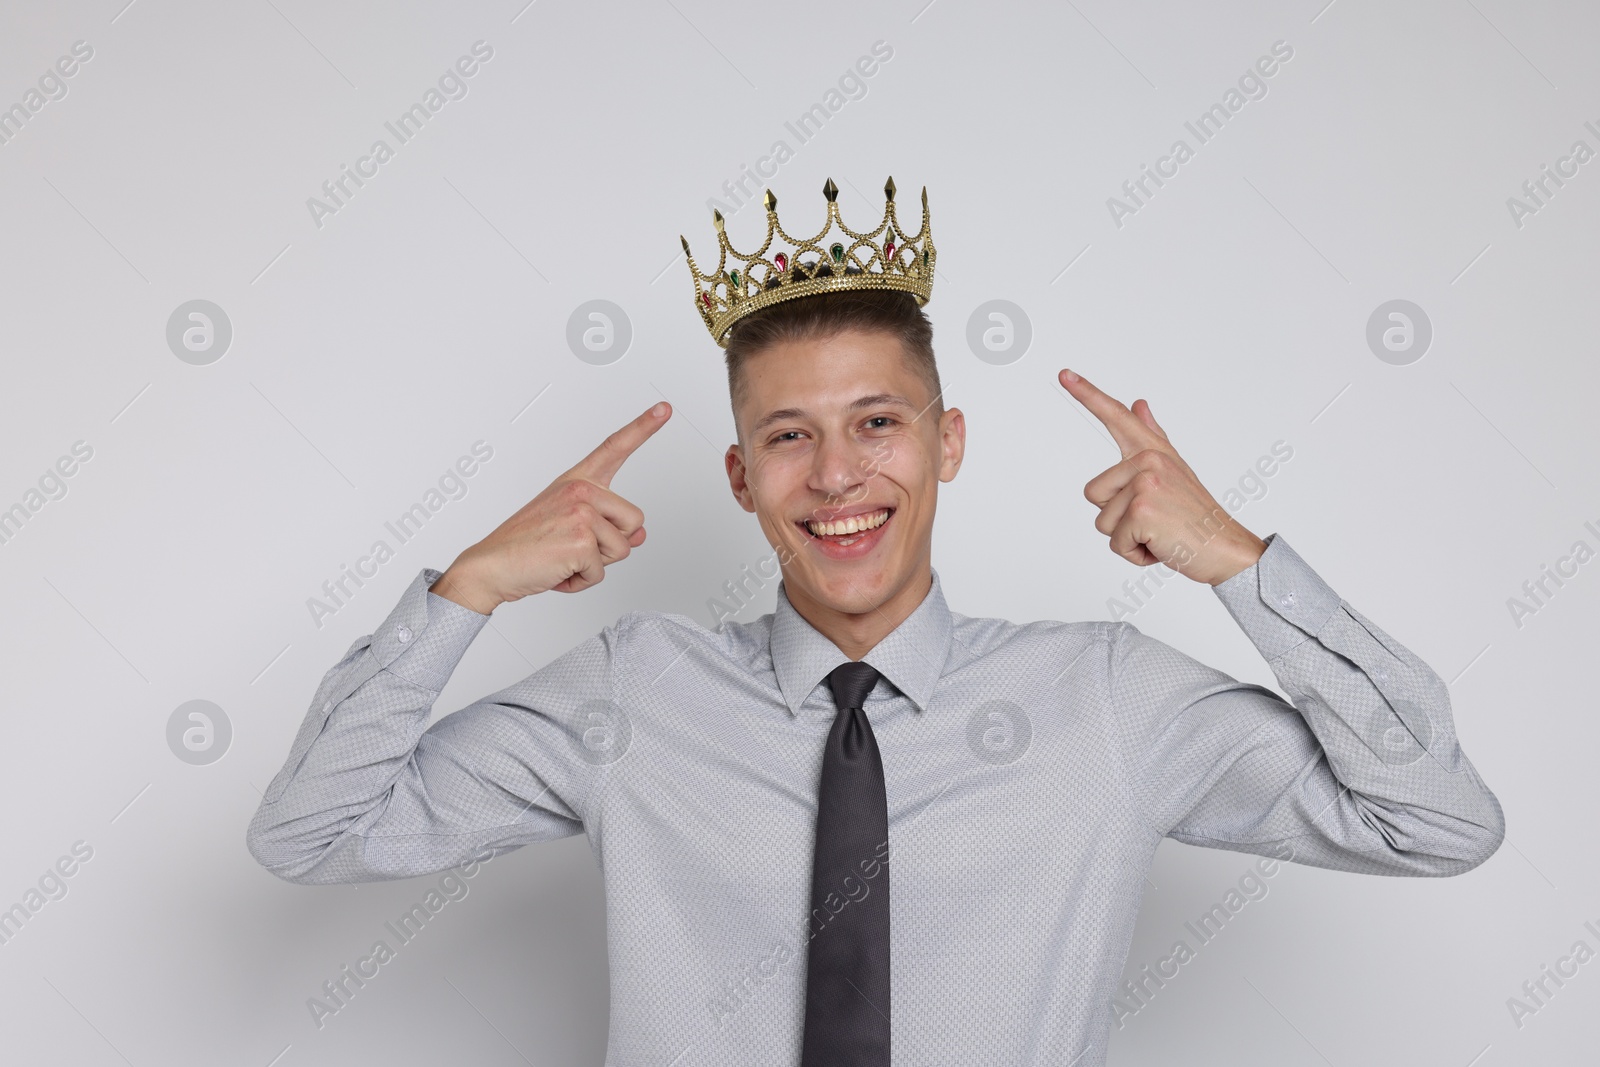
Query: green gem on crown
{"x":836,"y":250}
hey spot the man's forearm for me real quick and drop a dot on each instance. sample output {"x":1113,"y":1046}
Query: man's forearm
{"x":355,"y":741}
{"x":1382,"y":717}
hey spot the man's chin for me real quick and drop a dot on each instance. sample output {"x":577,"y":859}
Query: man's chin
{"x":848,"y":586}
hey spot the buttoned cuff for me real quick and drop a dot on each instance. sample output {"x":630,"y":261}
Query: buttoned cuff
{"x":425,"y":635}
{"x":1279,"y":601}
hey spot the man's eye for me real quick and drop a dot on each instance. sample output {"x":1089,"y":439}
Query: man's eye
{"x":888,"y":419}
{"x":785,"y":434}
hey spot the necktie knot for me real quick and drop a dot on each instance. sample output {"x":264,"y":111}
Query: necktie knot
{"x":851,"y":682}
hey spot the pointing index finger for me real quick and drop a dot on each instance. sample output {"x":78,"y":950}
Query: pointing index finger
{"x":601,"y":465}
{"x":1127,"y":430}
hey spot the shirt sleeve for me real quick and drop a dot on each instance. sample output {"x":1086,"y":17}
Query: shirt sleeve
{"x":1361,"y":772}
{"x":370,"y":792}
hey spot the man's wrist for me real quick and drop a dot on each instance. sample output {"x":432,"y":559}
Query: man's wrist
{"x":1246,"y":557}
{"x":460,"y":587}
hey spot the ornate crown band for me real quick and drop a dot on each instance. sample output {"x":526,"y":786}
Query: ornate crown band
{"x":884,"y":258}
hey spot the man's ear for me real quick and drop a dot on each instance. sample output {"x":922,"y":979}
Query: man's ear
{"x":952,"y":443}
{"x":733,"y":460}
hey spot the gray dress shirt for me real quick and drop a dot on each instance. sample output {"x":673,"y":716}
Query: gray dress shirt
{"x":1031,"y":769}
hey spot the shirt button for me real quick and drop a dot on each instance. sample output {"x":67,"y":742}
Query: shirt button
{"x":403,"y":633}
{"x":1286,"y":601}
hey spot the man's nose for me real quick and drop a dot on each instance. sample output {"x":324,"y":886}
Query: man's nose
{"x":837,"y":466}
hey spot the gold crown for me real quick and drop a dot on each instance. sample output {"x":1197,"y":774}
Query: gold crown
{"x":884,"y":258}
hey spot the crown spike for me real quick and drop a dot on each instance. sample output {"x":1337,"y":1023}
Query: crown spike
{"x":685,"y":241}
{"x":831,"y":191}
{"x":771,"y":201}
{"x":888,"y":188}
{"x":716,"y":217}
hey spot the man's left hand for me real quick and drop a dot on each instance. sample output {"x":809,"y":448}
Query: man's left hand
{"x":1151,"y":504}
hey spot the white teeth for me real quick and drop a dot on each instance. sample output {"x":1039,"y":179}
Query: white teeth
{"x":854,"y":524}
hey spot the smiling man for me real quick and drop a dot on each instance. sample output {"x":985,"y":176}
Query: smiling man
{"x":747,"y":790}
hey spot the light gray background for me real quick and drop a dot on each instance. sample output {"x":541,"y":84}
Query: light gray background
{"x":369,"y":353}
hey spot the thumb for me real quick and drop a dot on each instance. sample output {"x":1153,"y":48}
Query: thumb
{"x":1141,"y":407}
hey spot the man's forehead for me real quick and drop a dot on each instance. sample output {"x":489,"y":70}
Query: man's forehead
{"x":838,"y":368}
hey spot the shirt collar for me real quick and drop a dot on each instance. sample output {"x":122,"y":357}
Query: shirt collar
{"x":912,"y":656}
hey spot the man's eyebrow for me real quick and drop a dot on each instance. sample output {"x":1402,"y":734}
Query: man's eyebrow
{"x":871,"y":401}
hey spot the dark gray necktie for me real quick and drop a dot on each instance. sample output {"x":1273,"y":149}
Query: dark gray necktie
{"x":847,"y":976}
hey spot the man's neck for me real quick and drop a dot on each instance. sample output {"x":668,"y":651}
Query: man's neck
{"x":857,"y":633}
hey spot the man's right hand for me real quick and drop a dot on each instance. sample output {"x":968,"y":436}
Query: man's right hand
{"x":562,"y":539}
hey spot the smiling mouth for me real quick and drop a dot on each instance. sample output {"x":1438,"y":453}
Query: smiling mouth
{"x":847,"y":530}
